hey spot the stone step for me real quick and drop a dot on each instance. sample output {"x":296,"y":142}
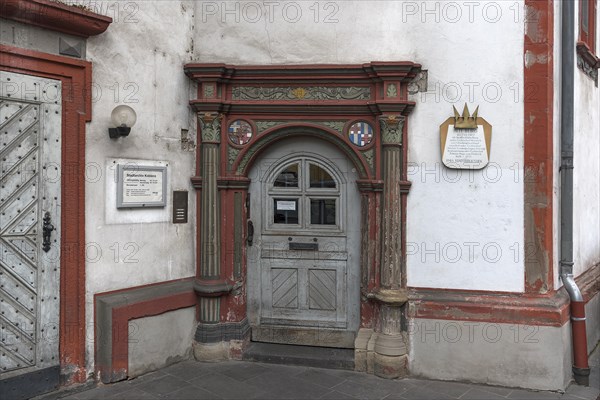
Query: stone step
{"x":308,"y":356}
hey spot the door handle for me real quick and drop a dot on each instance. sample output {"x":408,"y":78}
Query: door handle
{"x":250,"y":237}
{"x":47,"y":229}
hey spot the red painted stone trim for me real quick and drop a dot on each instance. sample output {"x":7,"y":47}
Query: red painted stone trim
{"x":460,"y":305}
{"x":122,"y":315}
{"x":538,"y":145}
{"x":75,"y":76}
{"x":55,"y":16}
{"x":589,"y":282}
{"x":457,"y":305}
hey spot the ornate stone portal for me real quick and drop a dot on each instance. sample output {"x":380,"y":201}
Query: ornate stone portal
{"x":362,"y":110}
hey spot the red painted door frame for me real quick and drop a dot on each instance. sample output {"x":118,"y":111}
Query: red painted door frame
{"x":76,"y":78}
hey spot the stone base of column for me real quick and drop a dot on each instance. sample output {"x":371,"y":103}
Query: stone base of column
{"x":361,"y":349}
{"x":211,"y":352}
{"x":221,"y":341}
{"x":390,"y":360}
{"x":390,"y":367}
{"x":381,"y":355}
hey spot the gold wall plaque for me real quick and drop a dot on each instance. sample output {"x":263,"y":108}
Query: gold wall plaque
{"x":465,"y":140}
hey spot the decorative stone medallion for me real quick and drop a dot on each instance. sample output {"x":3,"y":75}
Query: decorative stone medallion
{"x":361,"y":134}
{"x":240,"y":132}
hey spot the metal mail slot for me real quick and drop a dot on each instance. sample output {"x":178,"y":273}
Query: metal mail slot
{"x":304,"y":246}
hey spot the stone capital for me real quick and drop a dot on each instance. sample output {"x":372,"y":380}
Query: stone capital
{"x":391,"y":129}
{"x":210,"y":126}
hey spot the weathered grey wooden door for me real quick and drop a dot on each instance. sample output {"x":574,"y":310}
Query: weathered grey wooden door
{"x":30,"y":181}
{"x":303,"y":265}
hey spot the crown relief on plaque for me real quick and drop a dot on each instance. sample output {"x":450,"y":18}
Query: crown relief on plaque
{"x":465,"y":140}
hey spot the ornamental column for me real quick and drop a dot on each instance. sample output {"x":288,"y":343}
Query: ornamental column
{"x":390,"y":358}
{"x":208,"y":285}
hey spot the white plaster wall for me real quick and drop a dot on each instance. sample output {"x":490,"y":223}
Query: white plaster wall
{"x":474,"y":54}
{"x":494,"y":354}
{"x":161,"y":340}
{"x":556,"y":144}
{"x":586,"y":172}
{"x":473,"y":223}
{"x":138,"y":61}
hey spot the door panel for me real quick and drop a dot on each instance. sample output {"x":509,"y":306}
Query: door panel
{"x":302,"y":269}
{"x":30,"y":157}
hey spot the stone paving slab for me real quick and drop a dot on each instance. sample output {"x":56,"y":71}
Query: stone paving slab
{"x":253,"y":380}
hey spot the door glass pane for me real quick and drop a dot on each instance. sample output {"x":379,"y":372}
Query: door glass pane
{"x":288,"y":177}
{"x":319,"y":178}
{"x":285,"y":211}
{"x":322,"y":212}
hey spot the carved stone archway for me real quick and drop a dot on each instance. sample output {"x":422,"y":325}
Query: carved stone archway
{"x":259,"y":105}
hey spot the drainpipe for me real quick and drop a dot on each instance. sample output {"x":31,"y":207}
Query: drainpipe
{"x":581,"y":370}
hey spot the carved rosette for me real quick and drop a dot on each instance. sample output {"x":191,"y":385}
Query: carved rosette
{"x":210,"y":126}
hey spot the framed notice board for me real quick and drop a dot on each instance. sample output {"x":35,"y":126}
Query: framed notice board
{"x":140,"y":186}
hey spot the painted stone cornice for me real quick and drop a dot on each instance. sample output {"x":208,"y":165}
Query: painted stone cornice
{"x":356,"y":89}
{"x":348,"y":108}
{"x":55,"y":16}
{"x":374,"y":71}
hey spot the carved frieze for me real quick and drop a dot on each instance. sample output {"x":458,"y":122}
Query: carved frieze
{"x":232,"y":154}
{"x":337,"y":126}
{"x":301,"y":93}
{"x":369,"y":155}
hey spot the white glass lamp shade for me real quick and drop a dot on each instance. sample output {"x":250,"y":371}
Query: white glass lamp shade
{"x":123,"y":116}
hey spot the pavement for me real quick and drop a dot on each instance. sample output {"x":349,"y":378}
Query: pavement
{"x":254,"y":380}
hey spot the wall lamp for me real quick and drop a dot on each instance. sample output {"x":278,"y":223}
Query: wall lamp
{"x":123,"y":118}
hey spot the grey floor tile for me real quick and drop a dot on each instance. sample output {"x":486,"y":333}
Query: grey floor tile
{"x":320,"y":377}
{"x":104,"y":391}
{"x":481,"y":394}
{"x":189,"y":370}
{"x":133,"y":394}
{"x":341,"y":373}
{"x":452,"y":389}
{"x":585,"y":392}
{"x":150,"y":376}
{"x":163,"y":385}
{"x":191,"y":393}
{"x":519,"y":394}
{"x":335,"y":395}
{"x":362,"y":391}
{"x":226,"y":387}
{"x":287,"y":386}
{"x":424,"y":393}
{"x":290,"y":370}
{"x":245,"y":371}
{"x":498,"y":390}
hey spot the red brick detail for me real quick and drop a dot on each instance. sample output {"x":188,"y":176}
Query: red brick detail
{"x":53,"y":15}
{"x":76,"y":78}
{"x":538,"y":143}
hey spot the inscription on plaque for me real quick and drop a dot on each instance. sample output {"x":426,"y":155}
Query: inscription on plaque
{"x":465,"y":141}
{"x":141,"y":186}
{"x":465,"y":149}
